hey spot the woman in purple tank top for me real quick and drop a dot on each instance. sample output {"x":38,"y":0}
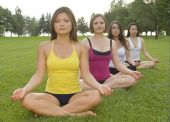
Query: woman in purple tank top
{"x":101,"y":51}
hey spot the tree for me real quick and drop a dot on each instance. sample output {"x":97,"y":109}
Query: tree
{"x":42,"y":24}
{"x":118,"y":11}
{"x":33,"y":27}
{"x":27,"y":20}
{"x":2,"y":21}
{"x":5,"y":21}
{"x":143,"y":14}
{"x":47,"y":23}
{"x":162,"y":9}
{"x":82,"y":25}
{"x":19,"y":22}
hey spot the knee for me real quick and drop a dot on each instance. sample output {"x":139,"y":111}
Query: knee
{"x":95,"y":98}
{"x":153,"y":63}
{"x":26,"y":102}
{"x":132,"y":81}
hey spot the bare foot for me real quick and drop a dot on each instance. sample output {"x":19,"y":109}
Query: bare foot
{"x":86,"y":113}
{"x":91,"y":113}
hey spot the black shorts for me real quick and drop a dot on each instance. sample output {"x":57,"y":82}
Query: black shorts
{"x":101,"y":81}
{"x":138,"y":61}
{"x":62,"y":98}
{"x":113,"y":71}
{"x":132,"y":67}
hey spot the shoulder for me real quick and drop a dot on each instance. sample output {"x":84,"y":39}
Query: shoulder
{"x":43,"y":46}
{"x":141,"y":39}
{"x":80,"y":48}
{"x":80,"y":45}
{"x":113,"y":42}
{"x":127,"y":39}
{"x":85,"y":42}
{"x":110,"y":41}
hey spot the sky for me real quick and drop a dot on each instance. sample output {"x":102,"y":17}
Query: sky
{"x":35,"y":8}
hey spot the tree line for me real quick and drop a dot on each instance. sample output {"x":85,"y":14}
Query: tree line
{"x":150,"y":15}
{"x":23,"y":25}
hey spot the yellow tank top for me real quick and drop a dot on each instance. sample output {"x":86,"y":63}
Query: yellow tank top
{"x":63,"y":73}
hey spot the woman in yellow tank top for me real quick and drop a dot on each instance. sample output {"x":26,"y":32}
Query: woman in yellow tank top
{"x":62,"y":57}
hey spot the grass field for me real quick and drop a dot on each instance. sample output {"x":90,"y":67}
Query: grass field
{"x":148,"y":101}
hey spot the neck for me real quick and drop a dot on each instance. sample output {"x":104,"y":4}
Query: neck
{"x":132,"y":36}
{"x":63,"y":39}
{"x":116,"y":38}
{"x":98,"y":36}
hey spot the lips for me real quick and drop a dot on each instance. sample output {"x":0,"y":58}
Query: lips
{"x":61,"y":28}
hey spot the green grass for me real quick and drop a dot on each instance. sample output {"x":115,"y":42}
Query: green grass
{"x":148,"y":101}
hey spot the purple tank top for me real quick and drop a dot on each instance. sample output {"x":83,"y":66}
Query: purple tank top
{"x":99,"y":62}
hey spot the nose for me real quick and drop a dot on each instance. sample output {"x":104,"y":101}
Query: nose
{"x":61,"y":23}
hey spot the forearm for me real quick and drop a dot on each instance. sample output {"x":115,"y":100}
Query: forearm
{"x":130,"y":61}
{"x":149,"y":56}
{"x":90,"y":80}
{"x":122,"y":68}
{"x":33,"y":82}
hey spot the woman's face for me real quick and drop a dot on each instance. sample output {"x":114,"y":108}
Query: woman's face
{"x":115,"y":30}
{"x":133,"y":30}
{"x":99,"y":25}
{"x":62,"y":24}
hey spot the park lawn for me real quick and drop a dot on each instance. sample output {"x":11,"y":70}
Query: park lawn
{"x":148,"y":101}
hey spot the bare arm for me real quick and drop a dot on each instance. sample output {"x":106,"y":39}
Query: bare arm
{"x":145,"y":52}
{"x":35,"y":80}
{"x":116,"y":60}
{"x":87,"y":76}
{"x":122,"y":68}
{"x":84,"y":68}
{"x":127,"y":52}
{"x":37,"y":77}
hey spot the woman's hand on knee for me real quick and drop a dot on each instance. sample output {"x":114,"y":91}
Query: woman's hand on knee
{"x":104,"y":90}
{"x":18,"y":94}
{"x":156,"y":60}
{"x":136,"y":74}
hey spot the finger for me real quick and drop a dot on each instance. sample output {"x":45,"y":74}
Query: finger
{"x":17,"y":95}
{"x":108,"y":91}
{"x":136,"y":77}
{"x":14,"y":92}
{"x":14,"y":97}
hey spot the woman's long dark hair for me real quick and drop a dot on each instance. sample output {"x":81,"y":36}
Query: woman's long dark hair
{"x":121,"y":35}
{"x":66,"y":10}
{"x":129,"y":26}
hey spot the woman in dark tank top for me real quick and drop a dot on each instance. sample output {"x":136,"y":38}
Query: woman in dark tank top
{"x":101,"y":51}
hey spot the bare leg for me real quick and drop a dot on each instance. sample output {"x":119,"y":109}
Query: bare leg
{"x":146,"y":64}
{"x":44,"y":104}
{"x":120,"y":81}
{"x":83,"y":102}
